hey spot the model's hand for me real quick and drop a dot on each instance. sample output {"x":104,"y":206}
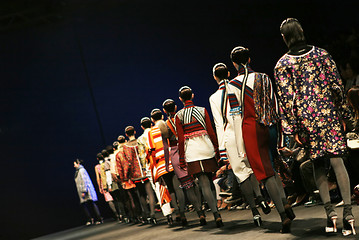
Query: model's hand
{"x":285,"y":151}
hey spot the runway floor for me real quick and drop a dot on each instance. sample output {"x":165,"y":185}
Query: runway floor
{"x":238,"y":224}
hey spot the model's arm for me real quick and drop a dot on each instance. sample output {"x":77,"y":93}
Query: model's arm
{"x":180,"y":134}
{"x":218,"y":121}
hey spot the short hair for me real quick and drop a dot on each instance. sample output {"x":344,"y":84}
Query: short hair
{"x":240,"y":55}
{"x":185,"y":93}
{"x":130,"y":131}
{"x":156,"y":114}
{"x":115,"y":144}
{"x":121,"y":139}
{"x":99,"y":156}
{"x":220,"y":70}
{"x":292,"y":31}
{"x":109,"y":149}
{"x":104,"y":153}
{"x":145,"y":122}
{"x":169,"y":105}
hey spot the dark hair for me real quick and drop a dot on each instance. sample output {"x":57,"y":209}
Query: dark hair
{"x":169,"y":105}
{"x":130,"y":131}
{"x":185,"y":93}
{"x":79,"y":161}
{"x":353,"y":99}
{"x":104,"y":153}
{"x":146,"y":122}
{"x":121,"y":139}
{"x":156,"y":114}
{"x":109,"y":149}
{"x":240,"y":55}
{"x":99,"y":156}
{"x":292,"y":31}
{"x":115,"y":144}
{"x":220,"y":70}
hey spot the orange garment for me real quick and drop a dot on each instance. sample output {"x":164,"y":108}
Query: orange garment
{"x":157,"y":156}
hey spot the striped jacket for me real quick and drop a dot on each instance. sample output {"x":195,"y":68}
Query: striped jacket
{"x":196,"y":137}
{"x":157,"y":155}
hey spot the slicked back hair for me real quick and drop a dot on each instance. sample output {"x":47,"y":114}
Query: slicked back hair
{"x":240,"y":55}
{"x":146,"y":122}
{"x":130,"y":131}
{"x":156,"y":114}
{"x":292,"y":31}
{"x":185,"y":93}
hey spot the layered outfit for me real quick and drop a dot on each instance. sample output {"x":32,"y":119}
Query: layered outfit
{"x":131,"y":199}
{"x":161,"y":191}
{"x":197,"y":141}
{"x":312,"y":100}
{"x":228,"y":122}
{"x":227,"y":113}
{"x":102,"y":185}
{"x":259,"y":111}
{"x":85,"y":187}
{"x":198,"y":150}
{"x":312,"y":104}
{"x":157,"y":160}
{"x":182,"y":174}
{"x":137,"y":173}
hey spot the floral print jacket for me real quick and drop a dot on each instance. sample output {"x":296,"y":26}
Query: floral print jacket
{"x":311,"y":99}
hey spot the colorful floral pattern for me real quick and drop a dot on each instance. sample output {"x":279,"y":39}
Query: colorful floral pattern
{"x":311,"y":100}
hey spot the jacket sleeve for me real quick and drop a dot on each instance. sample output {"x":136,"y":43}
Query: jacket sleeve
{"x":211,"y":133}
{"x":180,"y":134}
{"x":119,"y":165}
{"x":108,"y":173}
{"x":83,"y":180}
{"x":337,"y":88}
{"x":218,"y":121}
{"x":286,"y":91}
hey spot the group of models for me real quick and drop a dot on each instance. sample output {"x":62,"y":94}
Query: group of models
{"x":250,"y":118}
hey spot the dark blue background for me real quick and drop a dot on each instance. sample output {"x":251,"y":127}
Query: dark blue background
{"x":137,"y":53}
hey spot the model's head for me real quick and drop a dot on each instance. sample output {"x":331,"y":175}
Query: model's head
{"x":353,"y":99}
{"x":121,"y":139}
{"x":185,"y":93}
{"x":220,"y":72}
{"x":169,"y":106}
{"x":109,"y":149}
{"x":105,"y":153}
{"x":99,"y":156}
{"x":78,"y":162}
{"x":156,"y":114}
{"x":146,"y":122}
{"x":130,"y":131}
{"x":240,"y":56}
{"x":115,"y":144}
{"x":292,"y":32}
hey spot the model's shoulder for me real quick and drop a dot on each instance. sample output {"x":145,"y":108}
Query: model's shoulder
{"x":282,"y":61}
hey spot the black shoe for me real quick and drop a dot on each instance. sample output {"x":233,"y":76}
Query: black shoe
{"x":265,"y":207}
{"x":331,"y":218}
{"x":218,"y":219}
{"x":169,"y":220}
{"x":257,"y":220}
{"x":289,"y":211}
{"x":153,"y":221}
{"x":286,"y":225}
{"x":348,"y":221}
{"x":202,"y":221}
